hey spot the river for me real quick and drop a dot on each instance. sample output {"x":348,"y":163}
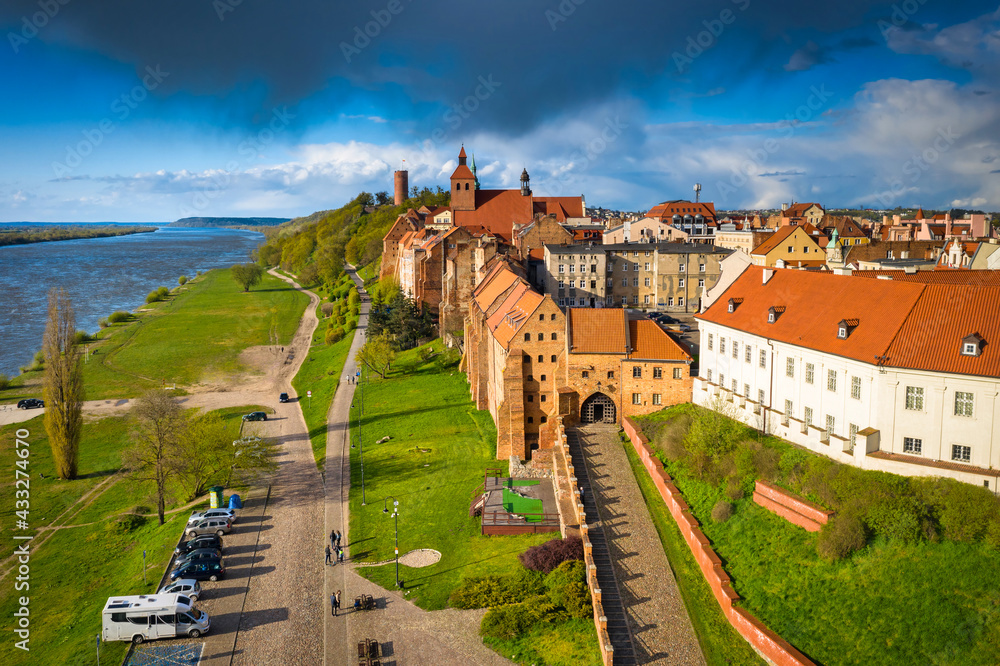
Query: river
{"x":102,"y":275}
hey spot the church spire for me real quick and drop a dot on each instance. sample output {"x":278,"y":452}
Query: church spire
{"x":474,"y":170}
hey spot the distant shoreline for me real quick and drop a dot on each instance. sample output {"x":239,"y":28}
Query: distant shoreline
{"x":31,"y":234}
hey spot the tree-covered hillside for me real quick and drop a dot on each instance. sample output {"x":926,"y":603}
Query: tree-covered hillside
{"x":315,"y":247}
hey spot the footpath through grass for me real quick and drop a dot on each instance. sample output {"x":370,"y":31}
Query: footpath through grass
{"x":195,"y":335}
{"x":439,"y":449}
{"x":892,"y":602}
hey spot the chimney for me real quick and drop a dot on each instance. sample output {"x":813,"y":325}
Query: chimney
{"x":768,"y":274}
{"x":401,"y":186}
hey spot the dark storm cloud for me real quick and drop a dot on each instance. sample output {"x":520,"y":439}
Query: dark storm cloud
{"x":548,"y":56}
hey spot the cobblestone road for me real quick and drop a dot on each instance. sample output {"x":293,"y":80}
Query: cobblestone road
{"x":661,"y":629}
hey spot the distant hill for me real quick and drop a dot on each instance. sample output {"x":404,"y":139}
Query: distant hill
{"x":241,"y":222}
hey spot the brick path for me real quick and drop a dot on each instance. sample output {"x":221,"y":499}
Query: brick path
{"x":661,"y":629}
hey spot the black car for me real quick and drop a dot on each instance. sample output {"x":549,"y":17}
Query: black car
{"x":199,"y":555}
{"x":283,"y":397}
{"x":212,"y":570}
{"x":204,"y":541}
{"x":255,"y":416}
{"x":31,"y":403}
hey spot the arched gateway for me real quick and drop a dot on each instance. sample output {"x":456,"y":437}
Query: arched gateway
{"x":598,"y":408}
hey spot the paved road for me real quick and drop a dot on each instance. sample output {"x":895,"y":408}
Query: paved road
{"x":661,"y":629}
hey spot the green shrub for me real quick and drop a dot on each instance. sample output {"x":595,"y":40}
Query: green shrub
{"x":566,"y":586}
{"x":326,"y":309}
{"x":4,"y":381}
{"x":350,"y":325}
{"x":354,"y":299}
{"x":163,"y":292}
{"x":153,"y":297}
{"x":118,"y":316}
{"x":507,"y":622}
{"x":39,"y":359}
{"x":722,"y":511}
{"x":103,"y":322}
{"x":126,"y":523}
{"x":182,"y":280}
{"x":341,"y":319}
{"x":964,"y":512}
{"x":334,"y":334}
{"x":734,"y":488}
{"x":81,"y":336}
{"x":486,"y":591}
{"x":840,"y":537}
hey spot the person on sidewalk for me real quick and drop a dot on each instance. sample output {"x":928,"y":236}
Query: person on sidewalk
{"x":333,"y":537}
{"x":340,"y":554}
{"x":338,"y":538}
{"x":328,"y":554}
{"x":336,"y":603}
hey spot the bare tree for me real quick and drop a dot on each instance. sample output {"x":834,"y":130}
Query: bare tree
{"x":62,"y":387}
{"x":157,"y":431}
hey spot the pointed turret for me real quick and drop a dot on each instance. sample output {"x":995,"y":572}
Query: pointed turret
{"x":474,"y":170}
{"x":525,"y":183}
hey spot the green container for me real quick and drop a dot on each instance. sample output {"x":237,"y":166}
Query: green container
{"x":215,"y":496}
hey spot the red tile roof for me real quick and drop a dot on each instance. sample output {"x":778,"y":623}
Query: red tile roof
{"x":598,"y":330}
{"x":669,"y":208}
{"x":939,"y":276}
{"x":498,"y":210}
{"x":779,"y":236}
{"x":798,"y":209}
{"x":649,"y":341}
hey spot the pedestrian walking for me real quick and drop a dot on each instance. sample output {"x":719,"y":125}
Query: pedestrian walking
{"x":340,"y":554}
{"x":333,"y":538}
{"x":336,"y":603}
{"x":338,"y":538}
{"x":328,"y":554}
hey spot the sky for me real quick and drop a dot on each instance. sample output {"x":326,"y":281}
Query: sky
{"x":153,"y":111}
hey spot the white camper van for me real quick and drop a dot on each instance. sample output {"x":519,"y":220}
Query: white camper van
{"x":151,"y":616}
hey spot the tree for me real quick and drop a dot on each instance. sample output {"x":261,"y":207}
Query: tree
{"x":247,"y":275}
{"x":377,"y":353}
{"x":203,"y":453}
{"x":62,"y":387}
{"x":382,"y":198}
{"x":157,"y":431}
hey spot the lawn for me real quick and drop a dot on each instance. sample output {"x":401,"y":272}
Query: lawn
{"x":720,"y":643}
{"x":569,"y":643}
{"x":439,"y":449}
{"x":369,"y":272}
{"x":892,"y":602}
{"x":196,"y":335}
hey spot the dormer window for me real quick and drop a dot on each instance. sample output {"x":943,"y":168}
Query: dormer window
{"x":734,"y":303}
{"x":774,"y":312}
{"x":972,"y":345}
{"x":846,"y":327}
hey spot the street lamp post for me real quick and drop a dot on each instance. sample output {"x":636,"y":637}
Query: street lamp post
{"x":395,"y":516}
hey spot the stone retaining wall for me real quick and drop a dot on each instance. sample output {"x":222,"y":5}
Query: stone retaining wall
{"x":793,"y":509}
{"x":769,"y":645}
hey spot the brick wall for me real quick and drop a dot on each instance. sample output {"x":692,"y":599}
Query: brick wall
{"x":768,"y":644}
{"x":793,"y":509}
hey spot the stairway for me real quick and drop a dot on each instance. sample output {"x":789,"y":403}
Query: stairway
{"x":618,"y":631}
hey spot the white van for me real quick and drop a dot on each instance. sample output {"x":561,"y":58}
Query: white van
{"x":151,"y":616}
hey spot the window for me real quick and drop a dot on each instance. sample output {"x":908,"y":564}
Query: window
{"x":593,"y":284}
{"x":585,"y":374}
{"x":572,"y":284}
{"x":701,"y":268}
{"x":530,"y":378}
{"x":722,"y":380}
{"x":544,"y":397}
{"x":645,"y":299}
{"x":677,"y":373}
{"x":543,"y":419}
{"x":722,"y":345}
{"x":810,"y":373}
{"x":541,"y":378}
{"x":541,"y":358}
{"x":748,"y":354}
{"x":552,"y":359}
{"x":788,"y":411}
{"x":681,"y":267}
{"x":963,"y":404}
{"x":572,"y":268}
{"x":593,"y":268}
{"x":647,"y":282}
{"x":541,"y":317}
{"x":624,"y":298}
{"x":552,"y":317}
{"x":656,"y":399}
{"x":680,"y":301}
{"x":635,"y":266}
{"x":635,"y":282}
{"x":611,"y":374}
{"x":710,"y":375}
{"x":527,"y":337}
{"x":624,"y":282}
{"x":736,"y":349}
{"x":961,"y":453}
{"x":625,"y":267}
{"x":610,"y":282}
{"x":790,"y":367}
{"x":531,"y":398}
{"x":852,"y":433}
{"x":734,"y":387}
{"x":670,"y":301}
{"x":915,"y":398}
{"x":701,"y":282}
{"x":553,"y":335}
{"x":541,"y":336}
{"x":856,"y":388}
{"x":562,"y":268}
{"x":760,"y":396}
{"x":583,"y":268}
{"x":763,"y":358}
{"x":831,"y":425}
{"x":746,"y":390}
{"x":807,"y":416}
{"x":636,"y":398}
{"x":680,"y":283}
{"x":635,"y":299}
{"x":970,"y":349}
{"x":657,"y":373}
{"x":831,"y":380}
{"x":636,"y":372}
{"x":562,"y":284}
{"x":531,"y":419}
{"x":647,"y":264}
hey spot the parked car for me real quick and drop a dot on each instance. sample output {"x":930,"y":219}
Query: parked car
{"x":228,"y":514}
{"x":204,"y":541}
{"x":684,"y":327}
{"x":212,"y":570}
{"x":189,"y":587}
{"x":150,"y":616}
{"x":255,"y":416}
{"x":31,"y":403}
{"x":216,"y":526}
{"x":198,"y":555}
{"x":283,"y":397}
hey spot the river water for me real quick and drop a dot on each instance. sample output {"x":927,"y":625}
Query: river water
{"x":101,"y":275}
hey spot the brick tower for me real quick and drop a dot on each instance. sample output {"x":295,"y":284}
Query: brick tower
{"x":401,"y":180}
{"x":463,"y":185}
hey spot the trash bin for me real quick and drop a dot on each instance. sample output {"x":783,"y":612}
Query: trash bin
{"x":235,"y":502}
{"x":215,"y":497}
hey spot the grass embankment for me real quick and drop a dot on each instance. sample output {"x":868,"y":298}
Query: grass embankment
{"x":894,"y":601}
{"x":440,"y":446}
{"x":196,"y":335}
{"x":323,"y":367}
{"x":91,"y":558}
{"x":370,"y":272}
{"x":720,"y":643}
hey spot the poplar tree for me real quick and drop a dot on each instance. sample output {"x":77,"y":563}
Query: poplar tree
{"x":62,"y":387}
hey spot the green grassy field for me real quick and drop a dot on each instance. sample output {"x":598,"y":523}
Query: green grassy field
{"x":369,"y":272}
{"x":570,"y":643}
{"x":196,"y":335}
{"x":439,"y":449}
{"x":720,"y":643}
{"x":892,"y":602}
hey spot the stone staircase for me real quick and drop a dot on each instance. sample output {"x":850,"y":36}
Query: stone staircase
{"x":618,"y":630}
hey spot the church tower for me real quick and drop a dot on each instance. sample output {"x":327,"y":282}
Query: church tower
{"x":463,"y":185}
{"x":525,"y":184}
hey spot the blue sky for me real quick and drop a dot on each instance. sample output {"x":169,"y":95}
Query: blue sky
{"x":152,"y":111}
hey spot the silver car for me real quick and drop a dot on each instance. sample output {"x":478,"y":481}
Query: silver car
{"x":187,"y":586}
{"x":217,"y":526}
{"x":213,"y":513}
